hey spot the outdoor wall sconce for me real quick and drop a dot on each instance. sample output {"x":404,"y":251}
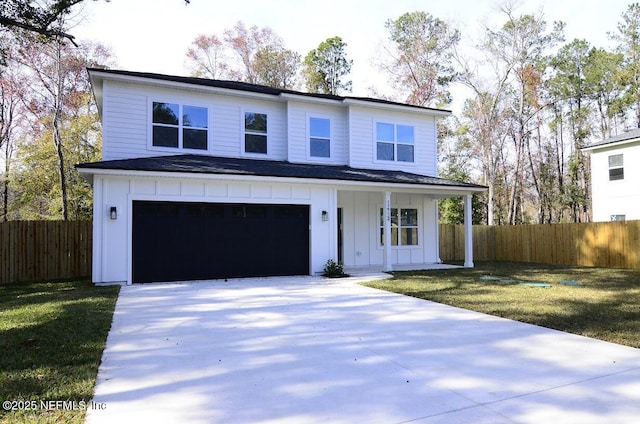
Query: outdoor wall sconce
{"x":113,"y":212}
{"x":325,"y":216}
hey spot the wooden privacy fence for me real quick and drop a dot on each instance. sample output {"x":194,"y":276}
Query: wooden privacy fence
{"x":44,"y":250}
{"x":52,"y":250}
{"x":600,"y":244}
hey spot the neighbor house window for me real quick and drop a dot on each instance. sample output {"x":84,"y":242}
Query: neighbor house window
{"x":404,"y":227}
{"x":618,"y":217}
{"x":255,"y":133}
{"x":179,"y":126}
{"x":320,"y":137}
{"x":616,"y":167}
{"x":394,"y":142}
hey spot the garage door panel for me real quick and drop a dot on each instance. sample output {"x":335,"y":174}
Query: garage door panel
{"x":191,"y":241}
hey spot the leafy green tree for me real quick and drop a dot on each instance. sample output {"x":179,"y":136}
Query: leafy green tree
{"x":419,"y":59}
{"x":628,"y":37}
{"x":327,"y":66}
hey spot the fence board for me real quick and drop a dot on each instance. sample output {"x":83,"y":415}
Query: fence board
{"x":44,"y":250}
{"x":601,"y":244}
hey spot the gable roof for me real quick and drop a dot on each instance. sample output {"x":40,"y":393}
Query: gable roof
{"x":626,"y":137}
{"x":204,"y":164}
{"x":97,"y":75}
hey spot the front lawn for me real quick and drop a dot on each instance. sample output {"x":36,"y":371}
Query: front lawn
{"x":605,"y":305}
{"x":51,"y":340}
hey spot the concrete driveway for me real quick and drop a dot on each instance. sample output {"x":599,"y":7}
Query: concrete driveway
{"x":310,"y":350}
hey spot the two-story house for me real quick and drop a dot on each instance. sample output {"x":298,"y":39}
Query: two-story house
{"x":207,"y":179}
{"x":615,"y":180}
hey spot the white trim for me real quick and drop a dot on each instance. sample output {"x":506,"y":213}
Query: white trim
{"x":256,"y":110}
{"x":419,"y":227}
{"x":316,"y":159}
{"x":181,"y":102}
{"x":395,"y":123}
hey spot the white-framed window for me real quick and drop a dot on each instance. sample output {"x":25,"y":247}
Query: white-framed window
{"x":404,"y":226}
{"x":179,"y":126}
{"x":395,"y":142}
{"x":319,"y":137}
{"x":255,"y":133}
{"x":616,"y":167}
{"x":618,"y":217}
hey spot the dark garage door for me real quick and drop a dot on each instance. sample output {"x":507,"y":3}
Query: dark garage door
{"x":176,"y":241}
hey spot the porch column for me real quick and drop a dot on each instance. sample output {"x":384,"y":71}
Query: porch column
{"x":387,"y":231}
{"x":468,"y":232}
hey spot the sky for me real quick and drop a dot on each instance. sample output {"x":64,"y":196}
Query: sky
{"x":154,"y":35}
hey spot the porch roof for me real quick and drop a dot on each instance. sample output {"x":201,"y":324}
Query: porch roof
{"x":205,"y":164}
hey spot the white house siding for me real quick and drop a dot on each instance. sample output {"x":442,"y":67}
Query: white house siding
{"x":618,"y":197}
{"x":362,"y":140}
{"x":126,"y":120}
{"x":112,"y":238}
{"x":361,"y":228}
{"x":298,"y":115}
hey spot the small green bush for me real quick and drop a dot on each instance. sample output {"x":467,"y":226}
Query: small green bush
{"x":333,"y":269}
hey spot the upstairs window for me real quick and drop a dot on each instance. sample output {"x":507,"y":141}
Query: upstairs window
{"x":394,"y":142}
{"x":319,"y":137}
{"x":616,"y":167}
{"x":404,"y":227}
{"x":255,"y":133}
{"x":179,"y":126}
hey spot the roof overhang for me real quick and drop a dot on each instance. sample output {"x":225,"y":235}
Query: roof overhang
{"x":204,"y":167}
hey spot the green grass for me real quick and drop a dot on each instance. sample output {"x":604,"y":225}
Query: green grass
{"x":51,"y":340}
{"x":606,"y":306}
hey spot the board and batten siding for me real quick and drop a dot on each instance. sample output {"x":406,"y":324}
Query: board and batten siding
{"x":126,"y":121}
{"x":112,"y":238}
{"x":617,"y":197}
{"x":362,"y":140}
{"x":298,"y":122}
{"x":361,"y":229}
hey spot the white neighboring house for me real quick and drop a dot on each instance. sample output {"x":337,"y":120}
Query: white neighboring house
{"x":208,"y":179}
{"x":615,"y":177}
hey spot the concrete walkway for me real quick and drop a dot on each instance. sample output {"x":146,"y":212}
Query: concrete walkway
{"x":311,"y":350}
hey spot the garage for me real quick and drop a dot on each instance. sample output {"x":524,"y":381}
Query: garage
{"x":179,"y":241}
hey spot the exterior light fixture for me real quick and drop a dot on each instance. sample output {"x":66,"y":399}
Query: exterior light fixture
{"x":113,"y":212}
{"x":325,"y":216}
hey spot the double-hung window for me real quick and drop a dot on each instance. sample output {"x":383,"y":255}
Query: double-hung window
{"x":179,"y":126}
{"x":394,"y":142}
{"x":320,"y":137}
{"x":616,"y":167}
{"x":255,"y":133}
{"x":404,"y":227}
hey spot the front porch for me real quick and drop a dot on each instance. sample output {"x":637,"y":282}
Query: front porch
{"x":395,"y":230}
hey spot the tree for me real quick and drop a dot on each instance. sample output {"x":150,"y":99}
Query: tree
{"x":419,"y":58}
{"x":254,"y":55}
{"x":58,"y":91}
{"x":277,"y":67}
{"x":206,"y":58}
{"x":257,"y":49}
{"x":10,"y":114}
{"x":40,"y":17}
{"x":628,"y":37}
{"x":327,"y":66}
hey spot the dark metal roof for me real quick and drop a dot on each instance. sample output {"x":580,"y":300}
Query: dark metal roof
{"x":204,"y":164}
{"x":253,"y":88}
{"x":626,"y":136}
